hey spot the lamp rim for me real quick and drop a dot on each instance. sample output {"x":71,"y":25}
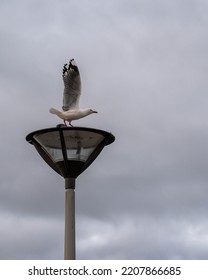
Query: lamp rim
{"x":110,"y":136}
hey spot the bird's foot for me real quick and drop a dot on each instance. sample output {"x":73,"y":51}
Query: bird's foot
{"x":70,"y":124}
{"x":65,"y":122}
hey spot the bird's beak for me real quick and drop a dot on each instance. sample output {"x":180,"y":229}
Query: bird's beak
{"x":94,"y":111}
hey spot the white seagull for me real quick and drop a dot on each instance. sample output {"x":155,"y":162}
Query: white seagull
{"x":71,"y":96}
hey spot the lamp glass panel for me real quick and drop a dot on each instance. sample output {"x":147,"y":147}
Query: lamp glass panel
{"x":80,"y":143}
{"x":51,"y":143}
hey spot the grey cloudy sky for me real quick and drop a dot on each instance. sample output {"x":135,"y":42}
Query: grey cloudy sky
{"x":144,"y":68}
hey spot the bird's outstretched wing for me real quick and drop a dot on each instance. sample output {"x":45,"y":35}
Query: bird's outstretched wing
{"x":72,"y":86}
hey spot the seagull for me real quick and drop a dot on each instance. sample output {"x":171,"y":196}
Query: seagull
{"x":71,"y":95}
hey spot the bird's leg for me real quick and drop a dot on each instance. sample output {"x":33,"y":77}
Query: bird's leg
{"x":65,"y":123}
{"x":70,"y":124}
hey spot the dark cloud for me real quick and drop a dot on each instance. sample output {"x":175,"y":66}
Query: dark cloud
{"x":143,"y":67}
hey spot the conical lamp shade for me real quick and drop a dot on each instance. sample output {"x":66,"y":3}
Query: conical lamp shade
{"x":69,"y":150}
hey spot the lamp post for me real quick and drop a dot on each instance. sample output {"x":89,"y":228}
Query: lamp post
{"x":69,"y":151}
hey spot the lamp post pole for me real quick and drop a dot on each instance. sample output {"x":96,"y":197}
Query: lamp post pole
{"x":69,"y":239}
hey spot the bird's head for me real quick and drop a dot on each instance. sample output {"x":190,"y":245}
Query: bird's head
{"x":91,"y":111}
{"x":87,"y":111}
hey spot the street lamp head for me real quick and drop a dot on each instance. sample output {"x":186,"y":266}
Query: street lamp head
{"x":69,"y":150}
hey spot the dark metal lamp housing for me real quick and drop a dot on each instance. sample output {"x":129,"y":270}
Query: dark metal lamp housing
{"x":69,"y":150}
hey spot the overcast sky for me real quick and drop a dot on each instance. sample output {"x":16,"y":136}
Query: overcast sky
{"x":144,"y":68}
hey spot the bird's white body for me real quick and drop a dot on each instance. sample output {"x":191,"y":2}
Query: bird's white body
{"x":73,"y":114}
{"x":71,"y":96}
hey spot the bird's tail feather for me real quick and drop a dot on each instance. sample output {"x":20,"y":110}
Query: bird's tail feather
{"x":54,"y":111}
